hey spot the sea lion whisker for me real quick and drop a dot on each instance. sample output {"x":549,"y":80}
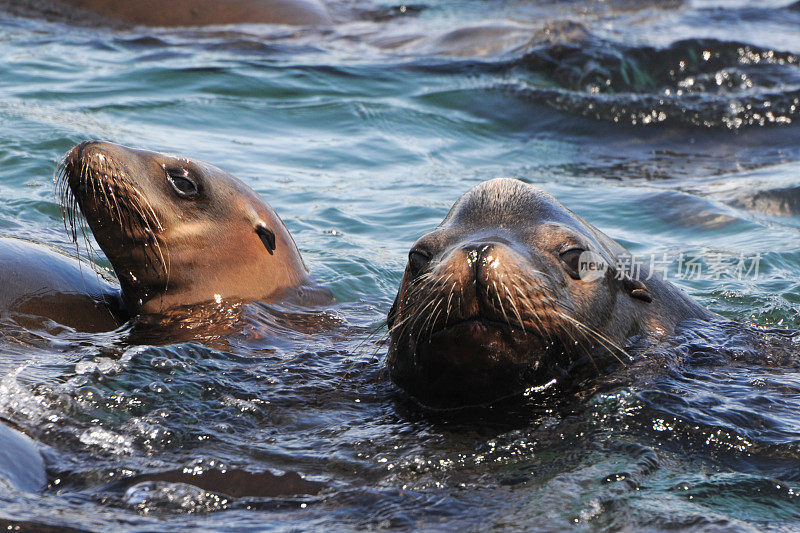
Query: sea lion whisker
{"x":361,"y":353}
{"x":514,"y":305}
{"x":416,"y":311}
{"x":529,"y":305}
{"x":433,"y":324}
{"x":424,"y":326}
{"x":145,"y":225}
{"x":426,"y":284}
{"x":585,"y":347}
{"x":149,"y":206}
{"x":402,"y":326}
{"x":69,"y":199}
{"x":165,"y":264}
{"x":396,"y":325}
{"x":571,"y":331}
{"x":432,"y":317}
{"x":399,"y":326}
{"x":607,"y":343}
{"x":449,"y":300}
{"x":370,"y":336}
{"x":526,"y":300}
{"x":101,"y":183}
{"x":60,"y":190}
{"x":116,"y":208}
{"x":420,"y":312}
{"x":108,"y":181}
{"x":500,"y":301}
{"x":593,"y":331}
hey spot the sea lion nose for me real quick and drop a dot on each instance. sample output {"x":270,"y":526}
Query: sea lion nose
{"x":93,"y":149}
{"x":77,"y":152}
{"x":87,"y":153}
{"x":490,"y":269}
{"x":483,"y":257}
{"x":80,"y":149}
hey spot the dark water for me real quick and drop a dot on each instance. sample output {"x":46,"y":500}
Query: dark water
{"x":672,"y":126}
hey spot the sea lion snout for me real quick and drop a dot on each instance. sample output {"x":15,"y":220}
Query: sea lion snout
{"x":97,"y":166}
{"x":484,"y":280}
{"x":88,"y":150}
{"x":76,"y":153}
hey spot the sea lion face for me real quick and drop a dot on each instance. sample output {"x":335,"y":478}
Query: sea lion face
{"x":178,"y":231}
{"x":500,"y":298}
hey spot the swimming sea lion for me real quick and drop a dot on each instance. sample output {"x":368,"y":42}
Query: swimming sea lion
{"x":207,"y":12}
{"x":177,"y":232}
{"x":498,"y":299}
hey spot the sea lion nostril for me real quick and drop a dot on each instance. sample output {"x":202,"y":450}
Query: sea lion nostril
{"x":479,"y":256}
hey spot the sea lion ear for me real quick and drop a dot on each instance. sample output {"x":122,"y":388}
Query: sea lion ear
{"x":637,"y":290}
{"x":267,"y":237}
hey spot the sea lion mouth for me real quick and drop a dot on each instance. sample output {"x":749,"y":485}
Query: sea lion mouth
{"x":474,"y":360}
{"x":478,"y":325}
{"x":478,"y":342}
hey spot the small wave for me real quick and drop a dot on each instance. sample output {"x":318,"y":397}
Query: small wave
{"x":696,"y":82}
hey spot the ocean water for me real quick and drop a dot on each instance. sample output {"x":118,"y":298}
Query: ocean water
{"x":671,"y":126}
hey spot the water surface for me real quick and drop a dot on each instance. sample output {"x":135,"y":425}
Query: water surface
{"x":671,"y":126}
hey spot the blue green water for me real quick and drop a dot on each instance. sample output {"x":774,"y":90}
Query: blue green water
{"x":361,"y":137}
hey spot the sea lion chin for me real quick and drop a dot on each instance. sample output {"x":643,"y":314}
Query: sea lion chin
{"x":177,"y":231}
{"x":500,"y":298}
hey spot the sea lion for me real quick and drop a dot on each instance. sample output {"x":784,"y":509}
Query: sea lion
{"x":498,"y":299}
{"x":40,"y":282}
{"x":205,"y":12}
{"x":178,"y":232}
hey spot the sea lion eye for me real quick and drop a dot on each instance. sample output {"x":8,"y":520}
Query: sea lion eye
{"x":417,"y":259}
{"x":572,"y":260}
{"x":181,"y":182}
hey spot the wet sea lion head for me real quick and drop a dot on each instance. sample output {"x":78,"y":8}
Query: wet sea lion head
{"x":177,"y":231}
{"x":513,"y":291}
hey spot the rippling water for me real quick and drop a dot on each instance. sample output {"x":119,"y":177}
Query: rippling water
{"x":672,"y":126}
